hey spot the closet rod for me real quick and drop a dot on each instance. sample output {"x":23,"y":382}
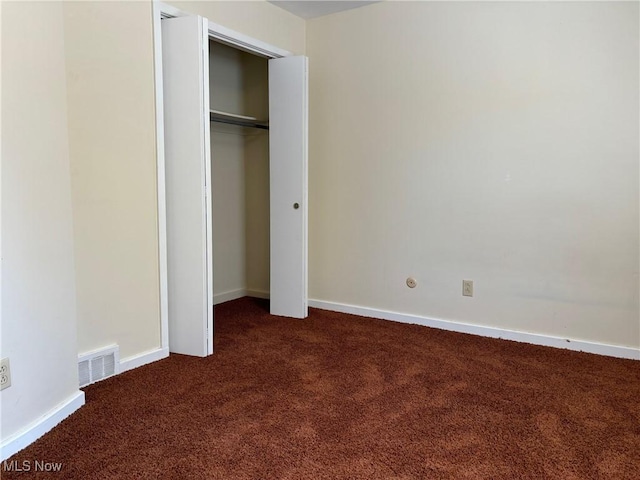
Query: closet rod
{"x":240,"y":123}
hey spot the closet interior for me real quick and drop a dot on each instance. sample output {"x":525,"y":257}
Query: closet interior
{"x":239,"y":110}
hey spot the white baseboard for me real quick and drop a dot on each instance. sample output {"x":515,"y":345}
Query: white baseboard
{"x":534,"y":338}
{"x":235,"y":294}
{"x":228,"y":296}
{"x":143,"y":358}
{"x":258,"y":294}
{"x":35,"y":430}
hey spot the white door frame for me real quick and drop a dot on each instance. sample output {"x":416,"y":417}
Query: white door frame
{"x":223,"y":35}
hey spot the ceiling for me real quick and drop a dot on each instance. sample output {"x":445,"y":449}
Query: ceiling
{"x":317,"y":8}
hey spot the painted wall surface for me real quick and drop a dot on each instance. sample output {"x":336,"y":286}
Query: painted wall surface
{"x":493,"y":141}
{"x":38,"y":285}
{"x":109,"y":67}
{"x":258,"y":19}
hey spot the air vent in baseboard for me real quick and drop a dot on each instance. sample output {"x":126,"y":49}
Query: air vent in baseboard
{"x":98,"y":364}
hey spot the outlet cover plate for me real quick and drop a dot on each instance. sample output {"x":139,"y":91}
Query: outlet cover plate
{"x":5,"y":374}
{"x":467,"y":288}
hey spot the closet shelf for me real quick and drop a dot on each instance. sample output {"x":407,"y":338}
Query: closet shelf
{"x":240,"y":120}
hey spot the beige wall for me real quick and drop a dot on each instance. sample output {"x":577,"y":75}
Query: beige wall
{"x":258,"y":19}
{"x":113,"y":165}
{"x":489,"y":141}
{"x":38,"y":327}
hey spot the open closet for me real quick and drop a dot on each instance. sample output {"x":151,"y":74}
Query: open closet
{"x":234,"y":122}
{"x":239,"y":100}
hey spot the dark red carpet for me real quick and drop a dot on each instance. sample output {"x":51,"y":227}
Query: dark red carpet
{"x":339,"y":396}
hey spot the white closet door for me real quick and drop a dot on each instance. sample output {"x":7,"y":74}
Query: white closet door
{"x":288,"y":133}
{"x":185,"y":67}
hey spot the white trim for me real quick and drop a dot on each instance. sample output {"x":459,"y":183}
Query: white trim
{"x":35,"y":430}
{"x":228,"y":296}
{"x":244,"y":42}
{"x":226,"y":35}
{"x":239,"y":293}
{"x":491,"y":332}
{"x":160,"y":173}
{"x":143,"y":358}
{"x":207,"y":188}
{"x":169,"y":11}
{"x":258,"y":294}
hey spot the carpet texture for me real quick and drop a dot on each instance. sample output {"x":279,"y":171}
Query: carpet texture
{"x":338,"y":396}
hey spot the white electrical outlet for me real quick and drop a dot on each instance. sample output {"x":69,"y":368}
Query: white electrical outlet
{"x":5,"y":374}
{"x":467,"y":288}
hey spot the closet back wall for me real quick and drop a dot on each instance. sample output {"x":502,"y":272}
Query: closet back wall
{"x":493,"y":141}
